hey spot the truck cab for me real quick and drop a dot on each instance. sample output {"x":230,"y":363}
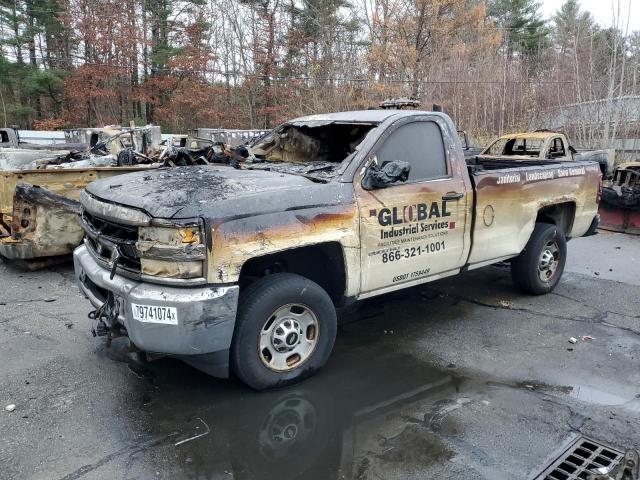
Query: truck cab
{"x":542,"y":145}
{"x":9,"y":137}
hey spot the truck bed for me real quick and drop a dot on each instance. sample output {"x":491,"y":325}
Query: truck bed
{"x":478,"y":164}
{"x":509,"y":196}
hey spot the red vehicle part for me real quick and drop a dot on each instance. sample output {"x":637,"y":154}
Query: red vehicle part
{"x":620,"y":206}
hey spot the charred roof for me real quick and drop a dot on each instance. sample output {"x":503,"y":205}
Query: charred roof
{"x":356,"y":116}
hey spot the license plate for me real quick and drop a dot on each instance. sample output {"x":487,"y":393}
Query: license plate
{"x":155,"y":314}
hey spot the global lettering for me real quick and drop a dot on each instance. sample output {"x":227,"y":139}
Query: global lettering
{"x":412,"y":213}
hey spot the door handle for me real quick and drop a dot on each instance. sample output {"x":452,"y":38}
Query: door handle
{"x":452,"y":196}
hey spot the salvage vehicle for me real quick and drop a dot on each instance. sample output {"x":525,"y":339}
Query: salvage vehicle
{"x":241,"y":269}
{"x":546,"y":145}
{"x":39,"y":197}
{"x":39,"y":204}
{"x":10,"y":138}
{"x":620,"y":205}
{"x":39,"y":212}
{"x":16,"y":154}
{"x":231,"y":137}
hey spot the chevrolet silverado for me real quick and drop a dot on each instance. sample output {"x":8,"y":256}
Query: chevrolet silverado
{"x":240,"y":270}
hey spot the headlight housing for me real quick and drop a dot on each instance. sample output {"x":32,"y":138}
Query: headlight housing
{"x":176,"y":251}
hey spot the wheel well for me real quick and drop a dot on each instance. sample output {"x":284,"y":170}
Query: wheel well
{"x":322,"y":263}
{"x":561,"y":215}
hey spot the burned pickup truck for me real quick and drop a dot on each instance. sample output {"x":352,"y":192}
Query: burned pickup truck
{"x":241,"y":269}
{"x":546,"y":145}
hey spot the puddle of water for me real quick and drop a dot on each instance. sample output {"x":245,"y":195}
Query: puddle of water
{"x":316,"y":430}
{"x":339,"y":424}
{"x":588,"y":393}
{"x":348,"y":419}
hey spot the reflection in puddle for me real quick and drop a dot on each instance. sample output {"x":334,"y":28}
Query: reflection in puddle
{"x":338,"y":424}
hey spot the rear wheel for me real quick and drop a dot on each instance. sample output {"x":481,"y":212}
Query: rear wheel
{"x":285,"y":330}
{"x":538,"y":269}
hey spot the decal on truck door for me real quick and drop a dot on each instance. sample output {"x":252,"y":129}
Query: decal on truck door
{"x":409,"y":235}
{"x":417,"y":225}
{"x":409,"y":230}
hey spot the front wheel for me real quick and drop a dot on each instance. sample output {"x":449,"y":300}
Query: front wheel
{"x":537,"y":270}
{"x":285,"y":330}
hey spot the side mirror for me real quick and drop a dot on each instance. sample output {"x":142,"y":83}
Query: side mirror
{"x":464,"y":139}
{"x":388,"y":174}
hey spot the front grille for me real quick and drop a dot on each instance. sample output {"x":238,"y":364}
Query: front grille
{"x":580,"y":459}
{"x":103,"y":235}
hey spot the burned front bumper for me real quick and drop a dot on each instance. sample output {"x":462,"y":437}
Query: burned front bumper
{"x":200,"y":335}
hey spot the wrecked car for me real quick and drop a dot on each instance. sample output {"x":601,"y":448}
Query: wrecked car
{"x":620,"y":206}
{"x":546,"y":145}
{"x":39,"y":198}
{"x":228,"y":136}
{"x":39,"y":203}
{"x":10,"y":138}
{"x":39,"y":212}
{"x":16,"y":154}
{"x":241,"y":269}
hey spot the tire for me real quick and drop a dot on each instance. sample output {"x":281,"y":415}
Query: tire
{"x":531,"y":272}
{"x":307,"y":320}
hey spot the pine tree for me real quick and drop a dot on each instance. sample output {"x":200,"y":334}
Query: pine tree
{"x":571,"y":25}
{"x":524,"y":31}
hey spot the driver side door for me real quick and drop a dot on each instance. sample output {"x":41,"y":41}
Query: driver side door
{"x":412,"y":230}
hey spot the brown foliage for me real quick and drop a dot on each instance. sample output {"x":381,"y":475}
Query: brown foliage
{"x":253,"y":64}
{"x":48,"y":124}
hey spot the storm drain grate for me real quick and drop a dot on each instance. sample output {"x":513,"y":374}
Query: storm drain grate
{"x":581,"y":458}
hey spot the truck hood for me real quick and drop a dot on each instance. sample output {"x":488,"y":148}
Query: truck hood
{"x":214,"y":192}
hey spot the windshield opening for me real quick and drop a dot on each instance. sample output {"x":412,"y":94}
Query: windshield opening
{"x":326,"y":143}
{"x":529,"y":147}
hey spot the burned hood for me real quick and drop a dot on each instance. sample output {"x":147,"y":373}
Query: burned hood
{"x":213,"y":191}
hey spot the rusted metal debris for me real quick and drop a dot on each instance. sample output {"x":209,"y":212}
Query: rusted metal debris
{"x":620,"y":205}
{"x":627,"y":469}
{"x":39,"y":198}
{"x":400,"y":103}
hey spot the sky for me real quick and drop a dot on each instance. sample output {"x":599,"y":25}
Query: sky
{"x":601,"y":11}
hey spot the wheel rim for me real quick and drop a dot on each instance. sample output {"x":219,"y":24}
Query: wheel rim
{"x":288,"y":337}
{"x":549,"y":260}
{"x":289,"y":424}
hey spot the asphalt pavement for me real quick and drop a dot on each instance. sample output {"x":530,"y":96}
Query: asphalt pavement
{"x":464,"y":378}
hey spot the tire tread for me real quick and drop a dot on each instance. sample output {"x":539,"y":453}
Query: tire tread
{"x":256,"y":296}
{"x":524,"y":268}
